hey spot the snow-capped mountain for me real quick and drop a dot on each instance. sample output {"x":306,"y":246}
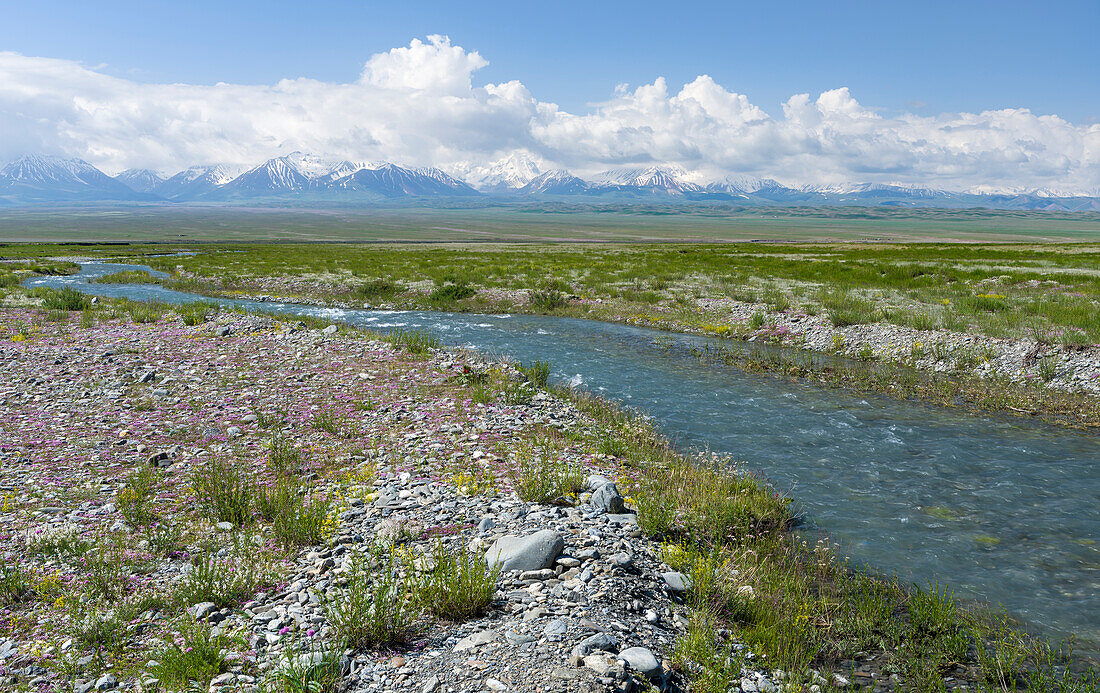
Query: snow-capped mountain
{"x":197,"y":181}
{"x":340,"y":169}
{"x":140,"y":179}
{"x":508,"y":174}
{"x":741,"y":185}
{"x":273,"y":177}
{"x":310,"y":165}
{"x":307,"y":178}
{"x":654,"y":179}
{"x":36,"y":179}
{"x":558,"y":182}
{"x":390,"y":180}
{"x":873,"y":190}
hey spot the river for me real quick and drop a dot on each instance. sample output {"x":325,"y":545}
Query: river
{"x":1002,"y":509}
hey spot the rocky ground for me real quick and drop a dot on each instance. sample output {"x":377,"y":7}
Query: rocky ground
{"x":402,"y":448}
{"x":1057,"y":366}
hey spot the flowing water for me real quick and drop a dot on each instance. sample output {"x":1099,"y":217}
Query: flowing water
{"x":1001,"y":509}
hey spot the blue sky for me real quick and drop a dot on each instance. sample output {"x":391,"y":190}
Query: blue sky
{"x":925,"y":57}
{"x":962,"y":95}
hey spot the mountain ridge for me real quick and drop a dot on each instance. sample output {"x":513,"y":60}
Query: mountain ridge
{"x":38,"y":179}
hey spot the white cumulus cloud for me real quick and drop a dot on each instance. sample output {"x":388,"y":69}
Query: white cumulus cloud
{"x":420,"y":105}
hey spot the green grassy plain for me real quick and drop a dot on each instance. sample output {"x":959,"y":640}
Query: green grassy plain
{"x":543,"y":222}
{"x":1013,"y":291}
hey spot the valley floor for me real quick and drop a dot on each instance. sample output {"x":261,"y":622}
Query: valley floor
{"x":255,"y":505}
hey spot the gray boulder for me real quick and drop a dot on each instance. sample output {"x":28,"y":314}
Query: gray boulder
{"x":594,"y":481}
{"x":641,"y":660}
{"x":594,"y":643}
{"x":533,"y":552}
{"x":607,"y":499}
{"x":677,"y":583}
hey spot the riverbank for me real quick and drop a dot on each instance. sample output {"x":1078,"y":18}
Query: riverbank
{"x":929,"y":320}
{"x":401,"y":442}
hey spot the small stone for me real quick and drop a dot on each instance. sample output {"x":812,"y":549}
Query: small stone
{"x":600,"y":641}
{"x":607,"y":499}
{"x":623,"y":560}
{"x":223,"y":331}
{"x":201,"y":610}
{"x":106,"y":682}
{"x":494,"y":685}
{"x":676,"y":583}
{"x":397,"y":662}
{"x":331,"y":329}
{"x":517,"y":638}
{"x":602,"y":663}
{"x":533,"y":552}
{"x":555,"y":629}
{"x":641,"y":660}
{"x":430,"y":685}
{"x":224,"y":526}
{"x":476,"y":640}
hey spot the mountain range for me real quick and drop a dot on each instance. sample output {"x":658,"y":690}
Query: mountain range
{"x":305,"y":178}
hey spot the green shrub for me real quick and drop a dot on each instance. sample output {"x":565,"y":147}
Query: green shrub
{"x":297,"y":518}
{"x":67,"y":545}
{"x":225,"y":581}
{"x":332,"y":423}
{"x":14,"y":584}
{"x":414,"y":341}
{"x":196,"y":312}
{"x":192,"y":659}
{"x":96,"y":628}
{"x":135,"y":499}
{"x":546,"y":300}
{"x":714,"y":664}
{"x":66,"y":298}
{"x":374,"y":609}
{"x":537,"y":373}
{"x":450,"y":293}
{"x":165,"y":538}
{"x":610,"y":444}
{"x":223,"y":491}
{"x":127,"y":277}
{"x":377,"y":289}
{"x":460,"y":586}
{"x":144,"y":312}
{"x":845,"y":309}
{"x":1048,"y":368}
{"x":315,"y":671}
{"x":283,"y":457}
{"x":540,"y":478}
{"x":107,"y":568}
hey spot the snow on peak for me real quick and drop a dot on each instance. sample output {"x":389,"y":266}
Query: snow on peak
{"x":509,"y":173}
{"x":140,"y":179}
{"x":35,"y":168}
{"x":668,"y":178}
